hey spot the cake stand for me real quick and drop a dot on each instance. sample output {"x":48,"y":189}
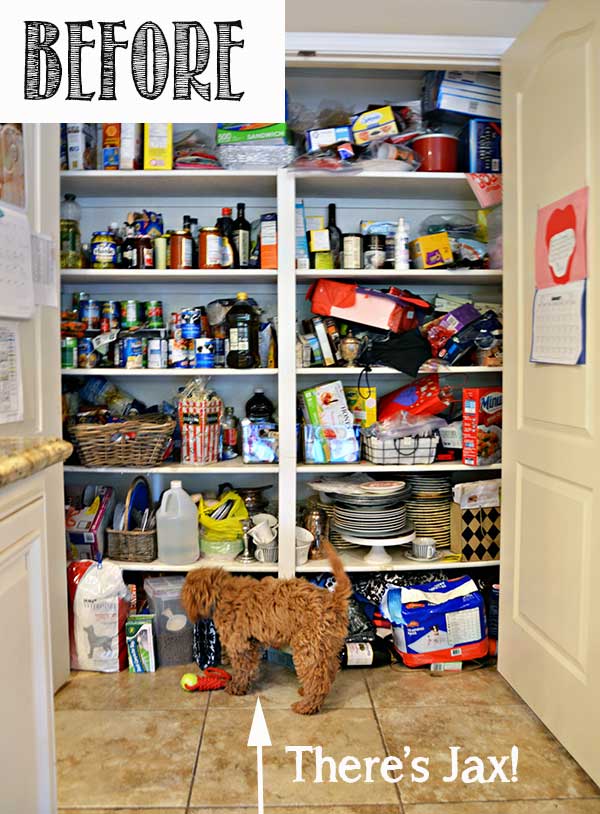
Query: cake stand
{"x":377,"y":554}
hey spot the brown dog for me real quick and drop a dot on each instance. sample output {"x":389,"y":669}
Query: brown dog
{"x":250,"y":614}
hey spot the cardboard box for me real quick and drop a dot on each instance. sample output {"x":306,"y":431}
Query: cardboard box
{"x":302,"y":258}
{"x":362,"y":403}
{"x":329,"y":436}
{"x":140,"y":643}
{"x":86,"y":525}
{"x":248,"y":133}
{"x":484,"y":143}
{"x":471,"y":93}
{"x":111,"y":144}
{"x":158,"y":146}
{"x":130,"y":157}
{"x":326,"y":136}
{"x":268,"y":241}
{"x":374,"y":124}
{"x":82,"y":146}
{"x":482,"y":425}
{"x":475,"y":533}
{"x":430,"y":251}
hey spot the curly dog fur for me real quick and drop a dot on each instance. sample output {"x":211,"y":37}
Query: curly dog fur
{"x":250,"y":614}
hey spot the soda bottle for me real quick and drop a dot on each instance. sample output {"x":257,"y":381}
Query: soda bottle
{"x":229,"y":430}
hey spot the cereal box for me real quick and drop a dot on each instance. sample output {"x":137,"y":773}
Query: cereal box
{"x":482,"y":425}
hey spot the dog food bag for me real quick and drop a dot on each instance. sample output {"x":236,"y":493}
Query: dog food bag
{"x":99,"y":603}
{"x":437,"y":621}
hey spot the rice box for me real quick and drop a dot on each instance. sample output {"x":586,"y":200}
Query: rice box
{"x":140,"y":643}
{"x":482,"y":425}
{"x":437,"y":621}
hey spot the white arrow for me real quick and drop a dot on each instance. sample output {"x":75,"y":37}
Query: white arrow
{"x":259,"y":737}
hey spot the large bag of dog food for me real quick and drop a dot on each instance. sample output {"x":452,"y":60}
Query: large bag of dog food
{"x":99,"y":604}
{"x":437,"y":621}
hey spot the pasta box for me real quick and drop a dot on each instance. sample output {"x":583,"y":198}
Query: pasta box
{"x":482,"y":425}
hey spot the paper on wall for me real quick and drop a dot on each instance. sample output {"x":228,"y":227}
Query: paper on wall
{"x":16,"y":279}
{"x":43,"y":262}
{"x":559,"y":324}
{"x":11,"y":379}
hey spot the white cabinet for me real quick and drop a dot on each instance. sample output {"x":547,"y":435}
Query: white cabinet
{"x":27,"y":767}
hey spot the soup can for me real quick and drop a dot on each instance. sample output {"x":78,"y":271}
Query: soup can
{"x":178,"y":353}
{"x":89,"y":313}
{"x":131,"y":314}
{"x":204,"y":355}
{"x":133,"y":353}
{"x":374,"y":251}
{"x":68,"y":352}
{"x":157,"y":353}
{"x":111,"y":311}
{"x":154,"y":314}
{"x":352,"y":245}
{"x":86,"y":355}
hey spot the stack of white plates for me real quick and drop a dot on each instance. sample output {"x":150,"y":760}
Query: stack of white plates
{"x":335,"y":538}
{"x":428,"y":508}
{"x":426,"y":486}
{"x":369,"y":523}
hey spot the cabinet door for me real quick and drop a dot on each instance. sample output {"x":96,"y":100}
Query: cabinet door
{"x":27,"y":731}
{"x":549,"y":644}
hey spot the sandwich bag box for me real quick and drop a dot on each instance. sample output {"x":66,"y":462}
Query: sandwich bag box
{"x":140,"y":643}
{"x":247,"y":133}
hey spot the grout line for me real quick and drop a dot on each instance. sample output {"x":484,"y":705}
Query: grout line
{"x":384,"y":741}
{"x":197,"y":758}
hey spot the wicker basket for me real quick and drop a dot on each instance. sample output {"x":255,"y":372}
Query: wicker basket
{"x":139,"y":441}
{"x":135,"y":546}
{"x":413,"y":449}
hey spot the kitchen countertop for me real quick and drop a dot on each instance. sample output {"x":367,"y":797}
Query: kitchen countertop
{"x":21,"y":457}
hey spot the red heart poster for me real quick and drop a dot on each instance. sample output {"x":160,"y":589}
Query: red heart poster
{"x":560,"y":250}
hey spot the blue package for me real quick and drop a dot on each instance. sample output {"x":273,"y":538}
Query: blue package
{"x":437,"y":621}
{"x":485,"y":145}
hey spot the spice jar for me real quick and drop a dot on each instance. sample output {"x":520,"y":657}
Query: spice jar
{"x":210,"y":248}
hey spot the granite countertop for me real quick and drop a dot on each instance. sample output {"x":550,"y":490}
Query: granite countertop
{"x":21,"y":457}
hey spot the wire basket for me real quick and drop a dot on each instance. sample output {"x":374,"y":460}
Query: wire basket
{"x":133,"y":546}
{"x":139,"y":441}
{"x":412,"y":449}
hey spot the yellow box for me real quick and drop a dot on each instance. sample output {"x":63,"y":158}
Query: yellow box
{"x":362,"y":402}
{"x":430,"y":251}
{"x":158,"y":146}
{"x":374,"y":124}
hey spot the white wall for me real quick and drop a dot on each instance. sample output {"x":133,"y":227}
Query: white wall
{"x":496,"y":18}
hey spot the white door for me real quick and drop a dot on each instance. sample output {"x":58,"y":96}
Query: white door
{"x":549,"y":639}
{"x":27,"y":781}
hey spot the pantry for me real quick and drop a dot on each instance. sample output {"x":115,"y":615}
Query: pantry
{"x":542,"y":448}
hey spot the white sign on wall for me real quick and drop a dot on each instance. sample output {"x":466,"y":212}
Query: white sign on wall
{"x":212,"y":62}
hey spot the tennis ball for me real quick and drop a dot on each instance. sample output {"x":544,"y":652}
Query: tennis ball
{"x":188,"y":682}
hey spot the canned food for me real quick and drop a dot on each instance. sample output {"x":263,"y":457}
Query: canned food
{"x":89,"y":313}
{"x":352,"y":245}
{"x":178,"y":353}
{"x":68,"y":346}
{"x":154,"y":314}
{"x":160,"y":252}
{"x":78,"y":296}
{"x":374,"y":251}
{"x":86,"y":355}
{"x":204,"y":352}
{"x":104,"y":251}
{"x":111,"y":310}
{"x":133,"y":353}
{"x":191,"y":323}
{"x":157,"y":353}
{"x":210,"y":248}
{"x":131,"y":314}
{"x":182,"y":246}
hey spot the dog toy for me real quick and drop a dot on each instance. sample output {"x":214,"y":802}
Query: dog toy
{"x":213,"y":679}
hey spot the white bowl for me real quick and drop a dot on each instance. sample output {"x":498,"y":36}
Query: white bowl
{"x":302,"y":554}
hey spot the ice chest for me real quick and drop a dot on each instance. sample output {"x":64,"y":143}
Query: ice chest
{"x":172,"y":629}
{"x":475,"y":533}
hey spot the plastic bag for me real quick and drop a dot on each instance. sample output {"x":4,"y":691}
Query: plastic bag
{"x":228,"y":529}
{"x":448,"y":222}
{"x":403,"y":425}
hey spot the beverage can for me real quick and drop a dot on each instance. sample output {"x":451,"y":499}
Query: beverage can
{"x":154,"y":314}
{"x":69,"y":352}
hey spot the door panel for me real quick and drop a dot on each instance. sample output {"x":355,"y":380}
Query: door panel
{"x":549,"y":649}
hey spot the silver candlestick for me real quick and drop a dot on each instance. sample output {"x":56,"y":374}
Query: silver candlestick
{"x":245,"y":556}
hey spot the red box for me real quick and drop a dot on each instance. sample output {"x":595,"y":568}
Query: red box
{"x":482,"y":425}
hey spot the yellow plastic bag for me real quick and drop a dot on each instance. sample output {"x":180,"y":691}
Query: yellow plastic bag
{"x":222,"y":530}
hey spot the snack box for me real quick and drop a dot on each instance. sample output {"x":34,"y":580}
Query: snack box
{"x":82,"y":146}
{"x":268,"y":241}
{"x":158,"y":146}
{"x":374,"y":124}
{"x":140,"y":643}
{"x":86,"y":525}
{"x":484,"y":144}
{"x":362,"y":403}
{"x":111,"y":143}
{"x":241,"y":133}
{"x":130,"y":156}
{"x":302,"y":258}
{"x":482,"y":425}
{"x":326,"y":136}
{"x":430,"y":251}
{"x":471,"y":93}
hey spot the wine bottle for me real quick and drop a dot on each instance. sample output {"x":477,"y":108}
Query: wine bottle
{"x":365,"y":654}
{"x":241,"y":236}
{"x":335,"y":238}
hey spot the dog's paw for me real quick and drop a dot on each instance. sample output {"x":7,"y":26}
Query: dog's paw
{"x":236,"y":689}
{"x":304,"y":707}
{"x":300,"y":690}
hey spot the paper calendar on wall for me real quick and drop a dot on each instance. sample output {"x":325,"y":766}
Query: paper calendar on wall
{"x":16,"y":277}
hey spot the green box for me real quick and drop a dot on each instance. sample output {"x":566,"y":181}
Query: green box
{"x":252,"y":133}
{"x":140,"y":643}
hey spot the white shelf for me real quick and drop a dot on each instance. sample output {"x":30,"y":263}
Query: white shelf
{"x":169,"y":183}
{"x":391,"y":371}
{"x":458,"y":277}
{"x":382,"y":184}
{"x":364,"y":466}
{"x":227,"y":565}
{"x":354,"y":562}
{"x":167,"y":372}
{"x":235,"y":467}
{"x":127,"y":277}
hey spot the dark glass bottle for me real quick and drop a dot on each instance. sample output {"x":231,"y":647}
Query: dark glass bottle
{"x":242,"y":324}
{"x":129,"y":253}
{"x":335,"y":237}
{"x":366,"y":654}
{"x":225,"y":226}
{"x":259,"y":407}
{"x":241,"y":237}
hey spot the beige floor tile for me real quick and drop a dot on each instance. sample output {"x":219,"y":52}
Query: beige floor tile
{"x":334,"y":809}
{"x":125,"y":759}
{"x":520,"y":807}
{"x":393,"y":687}
{"x":278,"y":689}
{"x":545,"y":769}
{"x":130,"y":691}
{"x":121,"y":811}
{"x":339,"y":732}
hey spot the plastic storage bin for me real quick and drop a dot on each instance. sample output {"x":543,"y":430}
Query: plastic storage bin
{"x":173,"y":630}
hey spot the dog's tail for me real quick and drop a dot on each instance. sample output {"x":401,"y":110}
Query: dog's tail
{"x":343,"y":586}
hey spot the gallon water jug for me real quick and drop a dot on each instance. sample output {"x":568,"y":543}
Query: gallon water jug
{"x":177,"y":527}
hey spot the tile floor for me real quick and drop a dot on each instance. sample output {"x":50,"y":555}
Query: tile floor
{"x":137,"y":743}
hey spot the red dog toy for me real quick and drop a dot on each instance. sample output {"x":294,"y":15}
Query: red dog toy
{"x":213,"y":679}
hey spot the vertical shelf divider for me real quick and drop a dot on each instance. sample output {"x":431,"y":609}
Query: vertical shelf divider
{"x":286,"y":336}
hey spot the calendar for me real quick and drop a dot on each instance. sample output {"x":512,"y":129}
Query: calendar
{"x":559,"y":324}
{"x":16,"y":276}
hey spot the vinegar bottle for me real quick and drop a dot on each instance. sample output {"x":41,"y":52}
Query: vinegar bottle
{"x":365,"y":654}
{"x":242,"y":322}
{"x":177,"y":527}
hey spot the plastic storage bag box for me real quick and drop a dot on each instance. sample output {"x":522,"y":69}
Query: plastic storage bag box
{"x":437,"y":621}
